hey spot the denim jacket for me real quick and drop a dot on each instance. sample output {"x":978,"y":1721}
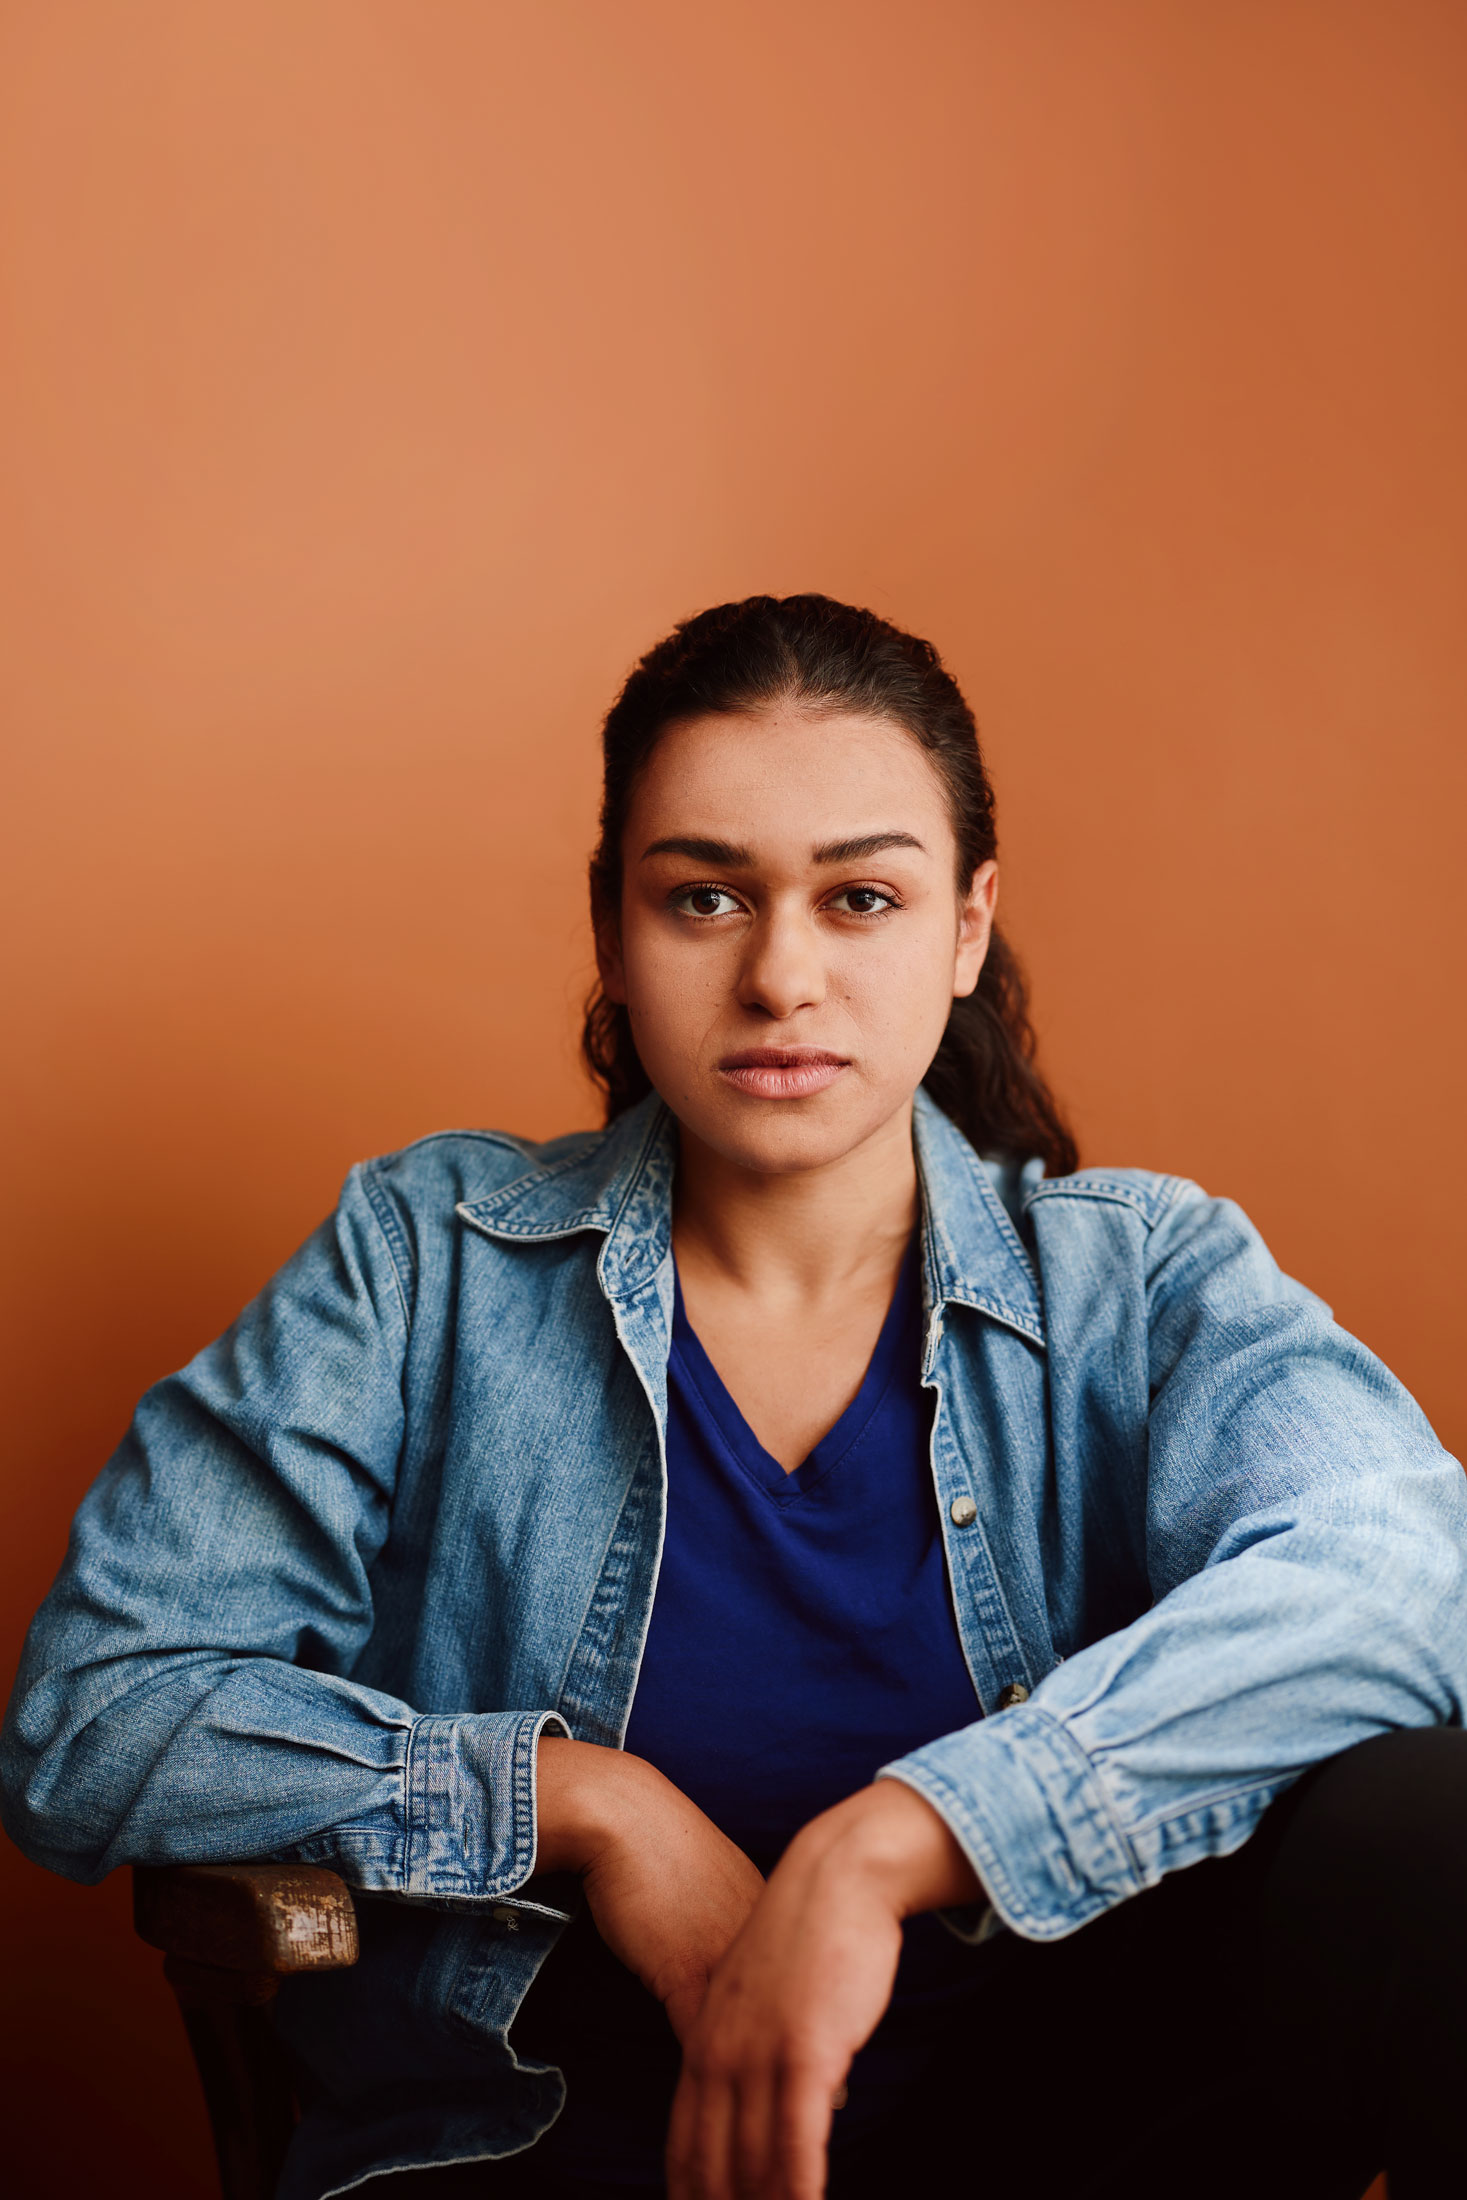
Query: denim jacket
{"x":407,"y":1513}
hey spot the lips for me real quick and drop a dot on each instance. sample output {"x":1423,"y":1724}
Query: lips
{"x":782,"y":1073}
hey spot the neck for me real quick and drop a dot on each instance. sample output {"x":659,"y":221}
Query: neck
{"x":803,"y":1237}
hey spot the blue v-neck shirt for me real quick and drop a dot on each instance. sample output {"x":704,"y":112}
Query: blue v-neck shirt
{"x":802,"y":1635}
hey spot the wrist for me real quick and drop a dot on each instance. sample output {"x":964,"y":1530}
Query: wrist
{"x":890,"y":1842}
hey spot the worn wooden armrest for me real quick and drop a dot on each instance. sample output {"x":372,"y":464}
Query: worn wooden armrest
{"x":266,"y":1919}
{"x":229,"y":1934}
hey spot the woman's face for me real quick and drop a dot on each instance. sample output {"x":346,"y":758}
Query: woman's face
{"x":791,"y":939}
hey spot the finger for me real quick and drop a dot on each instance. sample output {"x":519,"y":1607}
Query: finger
{"x":753,"y":2134}
{"x":681,"y":2126}
{"x":804,"y":2104}
{"x":700,"y":2138}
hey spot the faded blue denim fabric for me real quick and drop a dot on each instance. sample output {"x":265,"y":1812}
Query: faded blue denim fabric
{"x":407,"y":1512}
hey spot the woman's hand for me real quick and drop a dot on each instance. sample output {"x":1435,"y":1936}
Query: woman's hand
{"x":667,"y":1890}
{"x":803,"y":1986}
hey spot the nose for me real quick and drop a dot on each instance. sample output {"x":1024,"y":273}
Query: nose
{"x":782,"y":970}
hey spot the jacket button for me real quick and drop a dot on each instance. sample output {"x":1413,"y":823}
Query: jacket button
{"x":962,"y":1512}
{"x":1016,"y":1692}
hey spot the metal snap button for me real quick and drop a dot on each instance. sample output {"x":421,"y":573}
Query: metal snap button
{"x":962,"y":1512}
{"x":1016,"y":1692}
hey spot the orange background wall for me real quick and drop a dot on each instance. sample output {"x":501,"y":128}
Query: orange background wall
{"x":382,"y":375}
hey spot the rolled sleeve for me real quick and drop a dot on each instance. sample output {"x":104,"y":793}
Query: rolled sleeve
{"x":471,"y":1804}
{"x":1027,"y":1808}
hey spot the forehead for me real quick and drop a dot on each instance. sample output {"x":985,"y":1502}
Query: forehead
{"x":789,"y":775}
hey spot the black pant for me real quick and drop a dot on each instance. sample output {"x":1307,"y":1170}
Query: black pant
{"x":1280,"y":2024}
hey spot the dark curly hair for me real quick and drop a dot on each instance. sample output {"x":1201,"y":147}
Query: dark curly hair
{"x":774,"y":649}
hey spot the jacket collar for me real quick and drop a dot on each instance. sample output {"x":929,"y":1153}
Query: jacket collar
{"x":972,"y":1253}
{"x":620,"y":1184}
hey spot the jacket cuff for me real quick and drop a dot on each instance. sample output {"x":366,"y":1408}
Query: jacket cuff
{"x":1026,"y":1805}
{"x":471,"y":1830}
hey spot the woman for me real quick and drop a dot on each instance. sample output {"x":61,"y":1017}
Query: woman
{"x":771,"y":1486}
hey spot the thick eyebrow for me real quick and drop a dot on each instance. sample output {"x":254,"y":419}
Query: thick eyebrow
{"x":717,"y":854}
{"x":866,"y":844}
{"x":727,"y":855}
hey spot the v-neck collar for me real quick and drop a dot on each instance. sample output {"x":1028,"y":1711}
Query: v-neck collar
{"x":899,"y":1332}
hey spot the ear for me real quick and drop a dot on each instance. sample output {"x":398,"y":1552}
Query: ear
{"x":609,"y":966}
{"x":975,"y":928}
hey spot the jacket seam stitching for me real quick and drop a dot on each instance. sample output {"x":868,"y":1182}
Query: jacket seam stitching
{"x":1112,"y":1194}
{"x":503,"y":1139}
{"x":415,"y":1793}
{"x":1095,"y":1780}
{"x":998,"y":1214}
{"x":537,"y":1173}
{"x":387,"y":1224}
{"x":586,"y":1219}
{"x":999,"y":1310}
{"x":639,"y":1167}
{"x":1216,"y":1798}
{"x":1003,"y":1223}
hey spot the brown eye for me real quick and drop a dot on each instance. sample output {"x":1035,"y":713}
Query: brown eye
{"x":862,"y":901}
{"x":705,"y":901}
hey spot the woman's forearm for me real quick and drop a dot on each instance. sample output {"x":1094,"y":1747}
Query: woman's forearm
{"x":667,"y":1890}
{"x":586,"y":1796}
{"x":590,"y":1797}
{"x":888,"y":1838}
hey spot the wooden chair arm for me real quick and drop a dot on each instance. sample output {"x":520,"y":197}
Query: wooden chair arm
{"x":229,"y":1934}
{"x":271,"y":1919}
